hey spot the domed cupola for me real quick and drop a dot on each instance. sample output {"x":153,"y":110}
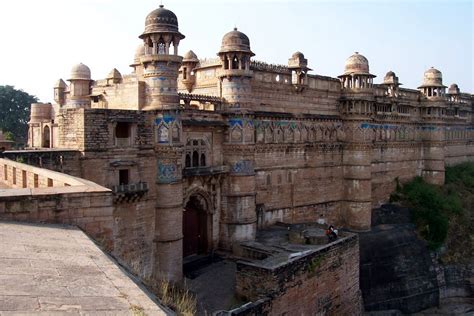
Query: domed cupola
{"x":298,"y":65}
{"x":161,"y":20}
{"x":356,"y":73}
{"x":432,"y":83}
{"x":80,"y":86}
{"x":190,"y":61}
{"x":80,"y":72}
{"x":160,"y":61}
{"x":235,"y":52}
{"x":235,"y":41}
{"x":235,"y":74}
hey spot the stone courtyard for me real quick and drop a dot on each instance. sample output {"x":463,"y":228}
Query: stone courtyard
{"x":58,"y":270}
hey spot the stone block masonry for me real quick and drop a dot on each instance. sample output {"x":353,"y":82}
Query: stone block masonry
{"x":324,"y":281}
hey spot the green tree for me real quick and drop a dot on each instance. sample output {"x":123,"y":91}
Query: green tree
{"x":15,"y":112}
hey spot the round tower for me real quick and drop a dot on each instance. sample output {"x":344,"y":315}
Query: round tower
{"x":59,"y":89}
{"x":299,"y":71}
{"x":79,"y":89}
{"x":190,"y":61}
{"x":235,"y":74}
{"x":392,"y":83}
{"x":136,"y":65}
{"x":356,"y":74}
{"x":432,"y":86}
{"x":160,"y":61}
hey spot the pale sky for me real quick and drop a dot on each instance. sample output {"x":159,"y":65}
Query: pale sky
{"x":43,"y":39}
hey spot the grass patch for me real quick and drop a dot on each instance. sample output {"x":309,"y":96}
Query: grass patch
{"x":180,"y":299}
{"x":443,"y":215}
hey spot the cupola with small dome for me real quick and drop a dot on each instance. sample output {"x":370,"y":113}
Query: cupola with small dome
{"x":356,"y":73}
{"x":432,"y":85}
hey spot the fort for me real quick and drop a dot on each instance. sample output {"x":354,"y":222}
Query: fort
{"x":187,"y":156}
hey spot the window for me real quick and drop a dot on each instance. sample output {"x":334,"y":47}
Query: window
{"x":123,"y":176}
{"x":196,"y":153}
{"x":123,"y":133}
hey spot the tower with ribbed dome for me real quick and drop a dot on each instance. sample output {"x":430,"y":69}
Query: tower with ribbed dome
{"x":160,"y":60}
{"x":235,"y":73}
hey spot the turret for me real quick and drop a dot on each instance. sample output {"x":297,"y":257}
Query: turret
{"x":114,"y":77}
{"x":190,"y":61}
{"x":59,"y":92}
{"x":137,"y":65}
{"x":235,"y":73}
{"x":392,"y":83}
{"x":161,"y":61}
{"x":299,"y":71}
{"x":356,"y":73}
{"x":432,"y":86}
{"x":79,"y":89}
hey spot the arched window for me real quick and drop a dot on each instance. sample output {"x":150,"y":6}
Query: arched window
{"x":188,"y":161}
{"x":195,"y":159}
{"x":46,"y":137}
{"x":235,"y":63}
{"x":196,"y":153}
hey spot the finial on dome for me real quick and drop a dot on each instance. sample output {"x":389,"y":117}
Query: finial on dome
{"x":235,"y":28}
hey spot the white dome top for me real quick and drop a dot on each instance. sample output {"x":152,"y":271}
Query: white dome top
{"x":356,"y":64}
{"x":80,"y":72}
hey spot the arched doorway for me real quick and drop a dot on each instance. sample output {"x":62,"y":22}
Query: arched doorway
{"x":195,"y":227}
{"x":46,"y":137}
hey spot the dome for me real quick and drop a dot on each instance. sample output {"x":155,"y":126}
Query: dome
{"x":161,"y":20}
{"x":190,"y":57}
{"x":60,"y":84}
{"x":391,"y":78}
{"x":299,"y":55}
{"x":356,"y":64}
{"x":80,"y":72}
{"x":453,"y":89}
{"x":114,"y":74}
{"x":235,"y":41}
{"x":139,"y":52}
{"x":432,"y":78}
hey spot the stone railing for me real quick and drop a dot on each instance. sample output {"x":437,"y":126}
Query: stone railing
{"x":34,"y":194}
{"x":260,"y":65}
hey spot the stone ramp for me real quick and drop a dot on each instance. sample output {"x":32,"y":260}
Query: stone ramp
{"x":56,"y":270}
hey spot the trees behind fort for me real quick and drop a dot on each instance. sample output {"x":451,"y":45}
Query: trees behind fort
{"x":15,"y":112}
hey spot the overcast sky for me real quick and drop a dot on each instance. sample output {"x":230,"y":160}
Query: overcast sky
{"x":43,"y":39}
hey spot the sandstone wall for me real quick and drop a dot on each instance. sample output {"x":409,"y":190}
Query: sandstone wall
{"x":324,"y":282}
{"x":40,"y":195}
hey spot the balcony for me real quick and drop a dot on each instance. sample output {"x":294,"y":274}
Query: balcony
{"x":205,"y":171}
{"x":129,"y":192}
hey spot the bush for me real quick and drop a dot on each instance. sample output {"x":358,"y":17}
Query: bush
{"x":432,"y":208}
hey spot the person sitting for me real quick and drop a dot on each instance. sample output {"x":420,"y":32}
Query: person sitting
{"x":331,"y":233}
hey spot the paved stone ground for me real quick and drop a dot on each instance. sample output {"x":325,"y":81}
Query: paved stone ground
{"x":58,"y":270}
{"x":214,"y":287}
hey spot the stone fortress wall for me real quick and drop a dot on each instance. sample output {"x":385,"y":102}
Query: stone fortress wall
{"x":246,"y":143}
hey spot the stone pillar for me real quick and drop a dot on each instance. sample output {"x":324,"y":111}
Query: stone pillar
{"x":433,"y":155}
{"x":168,"y":241}
{"x":357,"y":209}
{"x":239,"y":216}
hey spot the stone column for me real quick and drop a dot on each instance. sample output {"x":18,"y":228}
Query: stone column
{"x":433,"y":155}
{"x":357,"y":209}
{"x":168,"y":241}
{"x":239,"y":217}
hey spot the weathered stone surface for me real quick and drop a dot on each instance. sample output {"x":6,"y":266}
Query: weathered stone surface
{"x":56,"y":270}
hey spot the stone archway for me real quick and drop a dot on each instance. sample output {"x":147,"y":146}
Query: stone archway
{"x":46,"y":137}
{"x":197,"y":225}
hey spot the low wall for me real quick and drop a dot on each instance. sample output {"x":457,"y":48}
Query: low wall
{"x":324,"y":282}
{"x":41,"y":195}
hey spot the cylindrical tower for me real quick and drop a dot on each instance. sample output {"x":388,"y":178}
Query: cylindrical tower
{"x":161,"y":62}
{"x":79,"y":89}
{"x":190,"y":61}
{"x":59,"y":89}
{"x":432,"y":86}
{"x":235,"y":73}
